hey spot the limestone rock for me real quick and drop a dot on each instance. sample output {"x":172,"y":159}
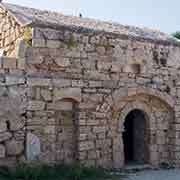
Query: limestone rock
{"x":86,"y":145}
{"x":2,"y":151}
{"x":2,"y":91}
{"x":5,"y":136}
{"x":14,"y":147}
{"x":74,"y":93}
{"x":36,"y":105}
{"x":38,"y":82}
{"x":62,"y":62}
{"x":9,"y":63}
{"x":20,"y":50}
{"x":3,"y":127}
{"x":17,"y":124}
{"x":32,"y":147}
{"x":11,"y":80}
{"x":61,"y":82}
{"x":46,"y":94}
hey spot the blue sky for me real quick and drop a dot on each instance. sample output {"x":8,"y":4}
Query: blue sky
{"x":157,"y":14}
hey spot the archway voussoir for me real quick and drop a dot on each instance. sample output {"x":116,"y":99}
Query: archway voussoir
{"x":132,"y":91}
{"x":118,"y":94}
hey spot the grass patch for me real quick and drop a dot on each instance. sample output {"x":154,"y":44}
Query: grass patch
{"x":27,"y":35}
{"x":55,"y":172}
{"x":71,"y":41}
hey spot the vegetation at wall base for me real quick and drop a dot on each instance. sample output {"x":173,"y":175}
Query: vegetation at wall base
{"x":55,"y":172}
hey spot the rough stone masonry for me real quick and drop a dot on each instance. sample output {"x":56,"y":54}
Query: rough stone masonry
{"x":81,"y":89}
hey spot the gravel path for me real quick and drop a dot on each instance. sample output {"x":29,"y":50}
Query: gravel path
{"x":173,"y":174}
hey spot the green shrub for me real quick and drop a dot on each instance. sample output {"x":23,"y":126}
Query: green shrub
{"x":53,"y":172}
{"x":176,"y":34}
{"x":71,"y":41}
{"x":27,"y":35}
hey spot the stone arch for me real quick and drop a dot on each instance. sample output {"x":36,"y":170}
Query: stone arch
{"x":118,"y":146}
{"x":117,"y":99}
{"x":148,"y":100}
{"x":68,"y":93}
{"x":131,"y":106}
{"x":136,"y":137}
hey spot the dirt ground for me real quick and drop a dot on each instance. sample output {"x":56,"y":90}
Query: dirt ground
{"x":171,"y":174}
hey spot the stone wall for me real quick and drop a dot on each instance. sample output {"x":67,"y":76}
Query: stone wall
{"x":13,"y":105}
{"x":10,"y":32}
{"x":66,"y":97}
{"x":102,"y":73}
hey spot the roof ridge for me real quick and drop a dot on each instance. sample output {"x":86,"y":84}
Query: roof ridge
{"x":52,"y":19}
{"x":85,"y":18}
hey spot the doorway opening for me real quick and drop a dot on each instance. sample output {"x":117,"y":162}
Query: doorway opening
{"x":135,"y":138}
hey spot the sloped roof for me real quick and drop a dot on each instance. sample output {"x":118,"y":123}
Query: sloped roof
{"x":26,"y":16}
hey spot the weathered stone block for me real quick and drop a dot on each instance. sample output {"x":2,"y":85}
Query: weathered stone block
{"x":86,"y":145}
{"x":17,"y":124}
{"x":70,"y":93}
{"x":61,"y":82}
{"x":21,"y":63}
{"x":53,"y":44}
{"x":12,"y":80}
{"x":83,"y":137}
{"x":62,"y":62}
{"x":46,"y":94}
{"x":99,"y":129}
{"x":14,"y":147}
{"x":2,"y":151}
{"x":36,"y":105}
{"x":9,"y":63}
{"x":39,"y":43}
{"x":5,"y":136}
{"x":50,"y":129}
{"x":60,"y":105}
{"x":95,"y":83}
{"x":3,"y":127}
{"x":33,"y":149}
{"x":101,"y":50}
{"x":38,"y":82}
{"x":20,"y":49}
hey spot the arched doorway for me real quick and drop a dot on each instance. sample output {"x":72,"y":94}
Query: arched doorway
{"x":135,"y":138}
